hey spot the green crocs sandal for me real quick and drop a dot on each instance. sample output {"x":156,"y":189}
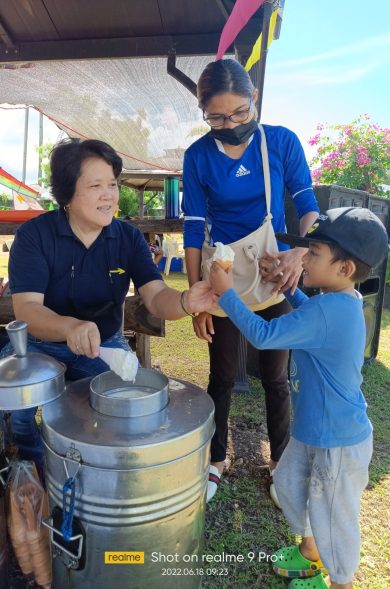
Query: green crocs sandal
{"x":317,"y":582}
{"x":289,"y":562}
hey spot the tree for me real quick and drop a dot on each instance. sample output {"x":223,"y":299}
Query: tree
{"x":153,"y":201}
{"x":44,"y":153}
{"x":6,"y":201}
{"x":354,"y":155}
{"x":128,"y":202}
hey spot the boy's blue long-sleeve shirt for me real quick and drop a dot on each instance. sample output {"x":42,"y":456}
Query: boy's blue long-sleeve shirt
{"x":326,"y":334}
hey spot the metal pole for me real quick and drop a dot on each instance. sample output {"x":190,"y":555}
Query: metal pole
{"x":268,"y":9}
{"x":25,"y":144}
{"x":241,"y":384}
{"x":39,"y":148}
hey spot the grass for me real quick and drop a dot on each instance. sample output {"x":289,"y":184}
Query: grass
{"x":242,"y":520}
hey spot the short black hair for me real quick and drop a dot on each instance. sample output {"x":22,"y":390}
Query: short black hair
{"x":220,"y":77}
{"x":362,"y":270}
{"x":66,"y":160}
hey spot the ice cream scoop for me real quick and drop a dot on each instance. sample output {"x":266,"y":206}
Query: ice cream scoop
{"x":223,"y":256}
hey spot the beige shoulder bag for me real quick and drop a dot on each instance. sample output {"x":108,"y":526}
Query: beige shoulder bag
{"x":248,"y":250}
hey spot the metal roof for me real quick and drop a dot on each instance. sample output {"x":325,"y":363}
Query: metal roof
{"x":35,"y":30}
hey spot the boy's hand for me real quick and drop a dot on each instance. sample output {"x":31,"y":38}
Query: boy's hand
{"x":219,"y":279}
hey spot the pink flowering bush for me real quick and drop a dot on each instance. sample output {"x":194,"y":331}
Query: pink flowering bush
{"x":355,"y":155}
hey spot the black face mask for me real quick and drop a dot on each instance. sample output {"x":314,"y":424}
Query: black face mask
{"x":235,"y":136}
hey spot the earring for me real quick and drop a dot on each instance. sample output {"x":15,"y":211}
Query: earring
{"x":67,"y":208}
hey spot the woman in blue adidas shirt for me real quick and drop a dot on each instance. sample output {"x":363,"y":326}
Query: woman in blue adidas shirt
{"x":223,"y":186}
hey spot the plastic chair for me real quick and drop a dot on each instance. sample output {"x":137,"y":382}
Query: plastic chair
{"x":171,"y":250}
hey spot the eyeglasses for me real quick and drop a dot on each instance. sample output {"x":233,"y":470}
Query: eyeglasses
{"x":237,"y":117}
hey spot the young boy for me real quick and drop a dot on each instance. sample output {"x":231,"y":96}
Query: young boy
{"x":324,"y":469}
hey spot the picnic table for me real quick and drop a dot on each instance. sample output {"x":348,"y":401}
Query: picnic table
{"x":146,"y":226}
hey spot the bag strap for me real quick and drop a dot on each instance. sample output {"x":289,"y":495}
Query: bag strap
{"x":267,"y":179}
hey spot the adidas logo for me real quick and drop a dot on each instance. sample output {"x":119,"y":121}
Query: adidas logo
{"x":242,"y":171}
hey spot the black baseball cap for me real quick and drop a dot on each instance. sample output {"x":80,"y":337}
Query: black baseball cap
{"x":357,"y":230}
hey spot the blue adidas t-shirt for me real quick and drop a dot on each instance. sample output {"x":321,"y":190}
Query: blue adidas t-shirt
{"x":87,"y":283}
{"x":326,"y":334}
{"x":230,"y":193}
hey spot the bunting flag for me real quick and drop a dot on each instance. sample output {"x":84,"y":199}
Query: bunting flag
{"x":242,"y":11}
{"x":21,"y":203}
{"x":14,"y":184}
{"x":255,"y":55}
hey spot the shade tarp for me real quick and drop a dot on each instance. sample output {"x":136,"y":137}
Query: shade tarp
{"x":133,"y":104}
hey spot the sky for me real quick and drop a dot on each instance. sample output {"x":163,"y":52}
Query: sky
{"x":330,"y":64}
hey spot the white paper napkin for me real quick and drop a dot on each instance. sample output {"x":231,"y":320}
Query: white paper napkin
{"x":124,"y":364}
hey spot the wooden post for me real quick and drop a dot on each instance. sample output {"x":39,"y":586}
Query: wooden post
{"x":143,"y":350}
{"x":140,"y":196}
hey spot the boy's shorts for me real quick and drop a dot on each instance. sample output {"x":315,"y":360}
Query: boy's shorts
{"x":319,"y":490}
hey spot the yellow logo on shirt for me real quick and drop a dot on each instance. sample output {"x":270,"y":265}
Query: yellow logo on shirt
{"x":117,"y":271}
{"x":312,"y":228}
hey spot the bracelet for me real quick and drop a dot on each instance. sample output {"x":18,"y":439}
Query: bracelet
{"x":183,"y":307}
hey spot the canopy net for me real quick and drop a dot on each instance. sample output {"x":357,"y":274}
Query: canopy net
{"x":132,"y":104}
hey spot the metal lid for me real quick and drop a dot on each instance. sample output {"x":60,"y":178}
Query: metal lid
{"x":28,"y":379}
{"x":182,"y":426}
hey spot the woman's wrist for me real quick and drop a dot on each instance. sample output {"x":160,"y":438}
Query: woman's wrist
{"x":295,"y":253}
{"x":299,"y":251}
{"x":184,"y":304}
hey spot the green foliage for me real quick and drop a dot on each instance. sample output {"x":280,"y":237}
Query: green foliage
{"x":6,"y":201}
{"x":48,"y":205}
{"x":198,"y":131}
{"x":153,"y":201}
{"x":129,"y":204}
{"x":128,"y":201}
{"x":44,"y":153}
{"x":354,"y":155}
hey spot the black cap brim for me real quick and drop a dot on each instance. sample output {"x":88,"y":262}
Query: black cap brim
{"x":298,"y":241}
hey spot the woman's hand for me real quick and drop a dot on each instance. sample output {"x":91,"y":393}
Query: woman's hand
{"x":200,"y":297}
{"x":283,"y":268}
{"x":203,"y":326}
{"x":219,"y":279}
{"x":267,"y":264}
{"x":83,"y":338}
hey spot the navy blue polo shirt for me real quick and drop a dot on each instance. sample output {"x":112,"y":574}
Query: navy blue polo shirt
{"x":86,"y":283}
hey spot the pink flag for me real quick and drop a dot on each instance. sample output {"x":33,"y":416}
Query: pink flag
{"x":241,"y":13}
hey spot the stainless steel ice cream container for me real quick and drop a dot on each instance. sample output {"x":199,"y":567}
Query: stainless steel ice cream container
{"x":139,"y":457}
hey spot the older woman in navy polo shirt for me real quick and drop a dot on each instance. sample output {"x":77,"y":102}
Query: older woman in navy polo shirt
{"x":70,"y":271}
